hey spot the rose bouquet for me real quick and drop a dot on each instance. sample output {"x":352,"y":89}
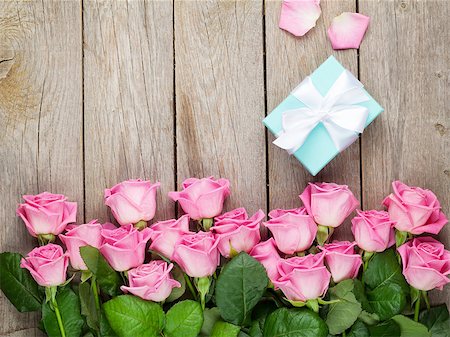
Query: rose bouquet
{"x":216,"y":274}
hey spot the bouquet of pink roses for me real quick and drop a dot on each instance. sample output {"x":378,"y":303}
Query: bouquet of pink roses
{"x":212,"y":274}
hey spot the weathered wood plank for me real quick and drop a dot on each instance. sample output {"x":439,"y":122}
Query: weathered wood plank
{"x":128,"y":87}
{"x":40,"y":120}
{"x":289,"y":60}
{"x":220,"y":96}
{"x":405,"y":64}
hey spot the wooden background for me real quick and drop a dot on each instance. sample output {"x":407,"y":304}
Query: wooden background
{"x":96,"y":92}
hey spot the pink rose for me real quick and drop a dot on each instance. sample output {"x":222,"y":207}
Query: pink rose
{"x":78,"y":236}
{"x":266,"y":253}
{"x":165,"y":234}
{"x":414,"y":210}
{"x":293,"y":229}
{"x":47,"y":213}
{"x":197,"y":254}
{"x":373,"y":230}
{"x":124,"y":247}
{"x":47,"y":264}
{"x":303,"y":278}
{"x":202,"y":198}
{"x":341,"y":260}
{"x":132,"y":201}
{"x":235,"y":231}
{"x":426,"y":264}
{"x":151,"y":281}
{"x":329,"y":203}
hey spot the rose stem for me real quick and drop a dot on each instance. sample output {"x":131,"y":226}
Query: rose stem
{"x":190,"y":286}
{"x":417,"y":309}
{"x":95,"y":292}
{"x":58,"y":317}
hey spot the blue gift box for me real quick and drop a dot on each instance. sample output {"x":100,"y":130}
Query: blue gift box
{"x":318,"y":149}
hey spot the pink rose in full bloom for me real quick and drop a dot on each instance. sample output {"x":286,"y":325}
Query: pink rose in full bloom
{"x":236,"y":232}
{"x":202,"y":198}
{"x":151,"y":281}
{"x":47,"y":264}
{"x":373,"y":230}
{"x":197,"y":254}
{"x":267,"y":254}
{"x":78,"y":236}
{"x":47,"y":213}
{"x":293,"y":229}
{"x":414,"y":210}
{"x":303,"y":278}
{"x":341,"y":260}
{"x":132,"y":201}
{"x":426,"y":264}
{"x":165,"y":234}
{"x":328,"y":203}
{"x":124,"y":247}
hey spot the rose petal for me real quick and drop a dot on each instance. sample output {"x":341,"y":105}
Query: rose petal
{"x":299,"y":16}
{"x":347,"y":30}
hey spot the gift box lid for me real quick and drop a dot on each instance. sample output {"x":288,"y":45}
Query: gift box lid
{"x":318,"y":149}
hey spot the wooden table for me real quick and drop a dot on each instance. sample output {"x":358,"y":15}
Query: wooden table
{"x":97,"y":92}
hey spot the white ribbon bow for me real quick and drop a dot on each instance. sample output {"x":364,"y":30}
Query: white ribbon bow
{"x":343,"y":120}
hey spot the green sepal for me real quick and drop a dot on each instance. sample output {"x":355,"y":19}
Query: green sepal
{"x":297,"y":304}
{"x":140,"y":225}
{"x":415,"y":294}
{"x":85,"y":275}
{"x":202,"y":284}
{"x":400,"y":237}
{"x":313,"y":305}
{"x":323,"y":232}
{"x":206,"y":223}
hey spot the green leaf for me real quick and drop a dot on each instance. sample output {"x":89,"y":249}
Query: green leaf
{"x":88,"y":308}
{"x":359,"y":329}
{"x":108,"y":279}
{"x":210,"y":317}
{"x":239,"y":288}
{"x":69,"y":308}
{"x":409,"y":328}
{"x":343,"y":314}
{"x":384,"y":269}
{"x":259,"y":315}
{"x":285,"y":322}
{"x":385,"y":329}
{"x":359,"y":292}
{"x":176,"y":293}
{"x":256,"y":330}
{"x":387,"y":300}
{"x":18,"y":285}
{"x":105,"y":328}
{"x":224,"y":329}
{"x":130,"y":316}
{"x":368,"y":318}
{"x":437,"y":320}
{"x":184,"y":319}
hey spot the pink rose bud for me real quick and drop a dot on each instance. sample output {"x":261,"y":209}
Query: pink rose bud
{"x":426,"y":264}
{"x":124,"y":247}
{"x":132,"y":201}
{"x":303,"y":278}
{"x":47,"y":264}
{"x":293,"y":229}
{"x":266,"y":253}
{"x":202,"y":198}
{"x":236,"y":233}
{"x":47,"y":213}
{"x":341,"y":260}
{"x":373,"y":230}
{"x":197,"y":254}
{"x":329,"y":203}
{"x":78,"y":236}
{"x":414,"y":210}
{"x":165,"y":234}
{"x":152,"y":281}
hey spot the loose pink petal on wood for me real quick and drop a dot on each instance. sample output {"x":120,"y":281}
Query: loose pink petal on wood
{"x":299,"y":16}
{"x":347,"y":30}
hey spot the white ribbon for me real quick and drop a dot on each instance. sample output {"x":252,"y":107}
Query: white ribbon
{"x":337,"y":111}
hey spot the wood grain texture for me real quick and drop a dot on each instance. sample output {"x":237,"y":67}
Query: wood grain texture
{"x":128,"y":87}
{"x":40,"y":121}
{"x":289,"y":60}
{"x":220,"y":96}
{"x":405,"y":64}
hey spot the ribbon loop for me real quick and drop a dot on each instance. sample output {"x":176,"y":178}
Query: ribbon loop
{"x":338,"y":111}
